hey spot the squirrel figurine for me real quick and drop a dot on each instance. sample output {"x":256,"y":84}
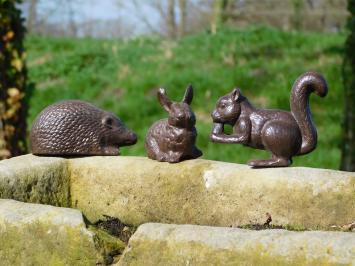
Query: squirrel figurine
{"x":284,"y":134}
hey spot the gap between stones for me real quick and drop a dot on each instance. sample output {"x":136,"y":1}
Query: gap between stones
{"x":113,"y":227}
{"x":111,"y":237}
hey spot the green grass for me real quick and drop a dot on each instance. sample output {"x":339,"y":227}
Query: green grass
{"x":122,"y":76}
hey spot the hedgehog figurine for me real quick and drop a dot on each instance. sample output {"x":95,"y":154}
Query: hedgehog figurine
{"x":77,"y":128}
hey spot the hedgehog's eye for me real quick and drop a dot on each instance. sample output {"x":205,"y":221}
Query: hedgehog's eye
{"x":108,"y":121}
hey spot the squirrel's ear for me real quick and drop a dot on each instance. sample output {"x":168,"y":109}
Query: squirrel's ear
{"x":189,"y":94}
{"x":236,"y":94}
{"x":163,"y":99}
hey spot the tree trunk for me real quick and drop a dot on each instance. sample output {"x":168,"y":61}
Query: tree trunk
{"x":13,"y":107}
{"x":311,"y":4}
{"x":72,"y":25}
{"x":182,"y":25}
{"x":170,"y":19}
{"x":297,"y":19}
{"x":348,"y":147}
{"x":220,"y":15}
{"x":32,"y":15}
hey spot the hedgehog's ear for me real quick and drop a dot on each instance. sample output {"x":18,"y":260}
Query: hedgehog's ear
{"x":107,"y":121}
{"x":236,"y":93}
{"x":189,"y":94}
{"x":164,"y":100}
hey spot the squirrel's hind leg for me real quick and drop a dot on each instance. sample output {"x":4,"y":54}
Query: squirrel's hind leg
{"x":275,"y":161}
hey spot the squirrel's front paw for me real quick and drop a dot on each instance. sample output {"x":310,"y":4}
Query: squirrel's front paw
{"x":218,"y":128}
{"x":217,"y":137}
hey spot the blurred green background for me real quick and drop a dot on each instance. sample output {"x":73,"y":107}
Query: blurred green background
{"x":122,"y":75}
{"x":116,"y":54}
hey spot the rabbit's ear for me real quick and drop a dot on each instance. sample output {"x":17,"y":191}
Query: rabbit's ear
{"x":189,"y":94}
{"x":163,"y":99}
{"x":236,"y":94}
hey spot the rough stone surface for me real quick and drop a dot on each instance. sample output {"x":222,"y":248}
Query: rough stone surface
{"x":34,"y":234}
{"x":162,"y":244}
{"x":138,"y":190}
{"x":35,"y":179}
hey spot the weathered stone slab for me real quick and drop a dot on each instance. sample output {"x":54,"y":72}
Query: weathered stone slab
{"x":34,"y":234}
{"x":35,"y":179}
{"x":162,"y":244}
{"x":138,"y":190}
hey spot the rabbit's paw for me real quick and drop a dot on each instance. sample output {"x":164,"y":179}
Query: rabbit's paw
{"x":173,"y":157}
{"x":161,"y":157}
{"x":196,"y":152}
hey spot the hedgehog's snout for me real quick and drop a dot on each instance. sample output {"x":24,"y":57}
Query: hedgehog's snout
{"x":131,"y":138}
{"x":123,"y":136}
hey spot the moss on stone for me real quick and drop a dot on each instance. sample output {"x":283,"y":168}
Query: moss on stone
{"x":141,"y":194}
{"x":164,"y":253}
{"x":33,"y":233}
{"x":35,"y":179}
{"x":162,"y":244}
{"x":108,"y":246}
{"x":44,"y":244}
{"x":304,"y":206}
{"x":139,"y":190}
{"x":272,"y":226}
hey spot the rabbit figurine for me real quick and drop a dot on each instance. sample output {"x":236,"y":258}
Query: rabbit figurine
{"x":173,"y":140}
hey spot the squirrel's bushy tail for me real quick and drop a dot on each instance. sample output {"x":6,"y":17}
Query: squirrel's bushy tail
{"x":306,"y":84}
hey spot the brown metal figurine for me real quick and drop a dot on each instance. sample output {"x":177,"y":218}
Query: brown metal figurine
{"x":173,"y":140}
{"x":77,"y":128}
{"x":284,"y":134}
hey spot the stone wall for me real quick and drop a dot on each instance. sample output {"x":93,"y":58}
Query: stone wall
{"x":136,"y":191}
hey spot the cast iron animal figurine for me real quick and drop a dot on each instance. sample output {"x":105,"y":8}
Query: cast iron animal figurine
{"x":173,"y":140}
{"x":285,"y":134}
{"x":77,"y":128}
